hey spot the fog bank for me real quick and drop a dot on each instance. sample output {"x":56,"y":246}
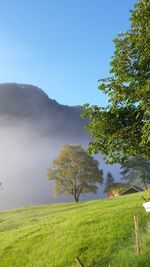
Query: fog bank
{"x":32,"y":130}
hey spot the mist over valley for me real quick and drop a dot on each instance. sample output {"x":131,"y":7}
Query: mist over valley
{"x":33,"y":128}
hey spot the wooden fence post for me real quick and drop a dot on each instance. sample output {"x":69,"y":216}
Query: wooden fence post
{"x":137,"y":236}
{"x":78,"y":261}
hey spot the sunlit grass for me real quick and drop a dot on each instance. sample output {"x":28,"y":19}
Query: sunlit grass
{"x":100,"y":232}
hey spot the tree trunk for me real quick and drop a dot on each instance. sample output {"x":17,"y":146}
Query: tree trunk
{"x":76,"y":199}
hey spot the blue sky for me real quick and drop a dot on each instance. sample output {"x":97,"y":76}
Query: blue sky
{"x":62,"y":46}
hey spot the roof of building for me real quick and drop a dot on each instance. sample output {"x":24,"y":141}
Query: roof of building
{"x":131,"y":187}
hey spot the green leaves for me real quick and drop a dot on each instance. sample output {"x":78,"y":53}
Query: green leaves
{"x":75,"y":172}
{"x":137,"y":170}
{"x":122,"y":129}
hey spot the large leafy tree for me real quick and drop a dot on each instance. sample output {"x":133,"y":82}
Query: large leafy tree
{"x":122,"y":128}
{"x":75,"y":172}
{"x":136,"y":170}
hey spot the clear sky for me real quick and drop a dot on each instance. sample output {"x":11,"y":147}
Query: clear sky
{"x":62,"y":46}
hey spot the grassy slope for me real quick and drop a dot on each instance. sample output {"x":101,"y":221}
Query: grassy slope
{"x":100,"y":232}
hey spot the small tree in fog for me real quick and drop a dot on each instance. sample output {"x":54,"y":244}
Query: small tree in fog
{"x":108,"y":181}
{"x":75,"y":172}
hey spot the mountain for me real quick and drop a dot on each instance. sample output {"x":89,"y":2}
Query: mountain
{"x":33,"y":128}
{"x":29,"y":104}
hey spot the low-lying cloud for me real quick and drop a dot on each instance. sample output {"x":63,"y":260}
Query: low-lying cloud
{"x":32,"y":130}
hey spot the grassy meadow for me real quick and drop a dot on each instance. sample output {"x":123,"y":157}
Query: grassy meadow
{"x":100,"y":232}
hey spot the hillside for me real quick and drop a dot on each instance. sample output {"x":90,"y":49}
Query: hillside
{"x":100,"y":232}
{"x":33,"y":129}
{"x":28,"y":104}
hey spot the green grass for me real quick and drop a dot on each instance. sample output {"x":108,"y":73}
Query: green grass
{"x":100,"y":232}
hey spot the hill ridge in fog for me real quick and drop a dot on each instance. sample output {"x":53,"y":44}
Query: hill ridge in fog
{"x":33,"y":128}
{"x":31,"y":104}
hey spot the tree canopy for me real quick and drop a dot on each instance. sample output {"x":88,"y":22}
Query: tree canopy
{"x":109,"y":181}
{"x":136,"y":170}
{"x":75,"y":172}
{"x":122,"y":129}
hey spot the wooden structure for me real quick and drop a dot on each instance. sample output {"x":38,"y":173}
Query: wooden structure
{"x":130,"y":190}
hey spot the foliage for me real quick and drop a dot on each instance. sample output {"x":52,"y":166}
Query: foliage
{"x":136,"y":170}
{"x":100,"y":232}
{"x":108,"y":181}
{"x":122,"y":128}
{"x":75,"y":172}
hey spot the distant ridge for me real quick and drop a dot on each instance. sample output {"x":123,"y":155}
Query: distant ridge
{"x":33,"y":128}
{"x":30,"y":103}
